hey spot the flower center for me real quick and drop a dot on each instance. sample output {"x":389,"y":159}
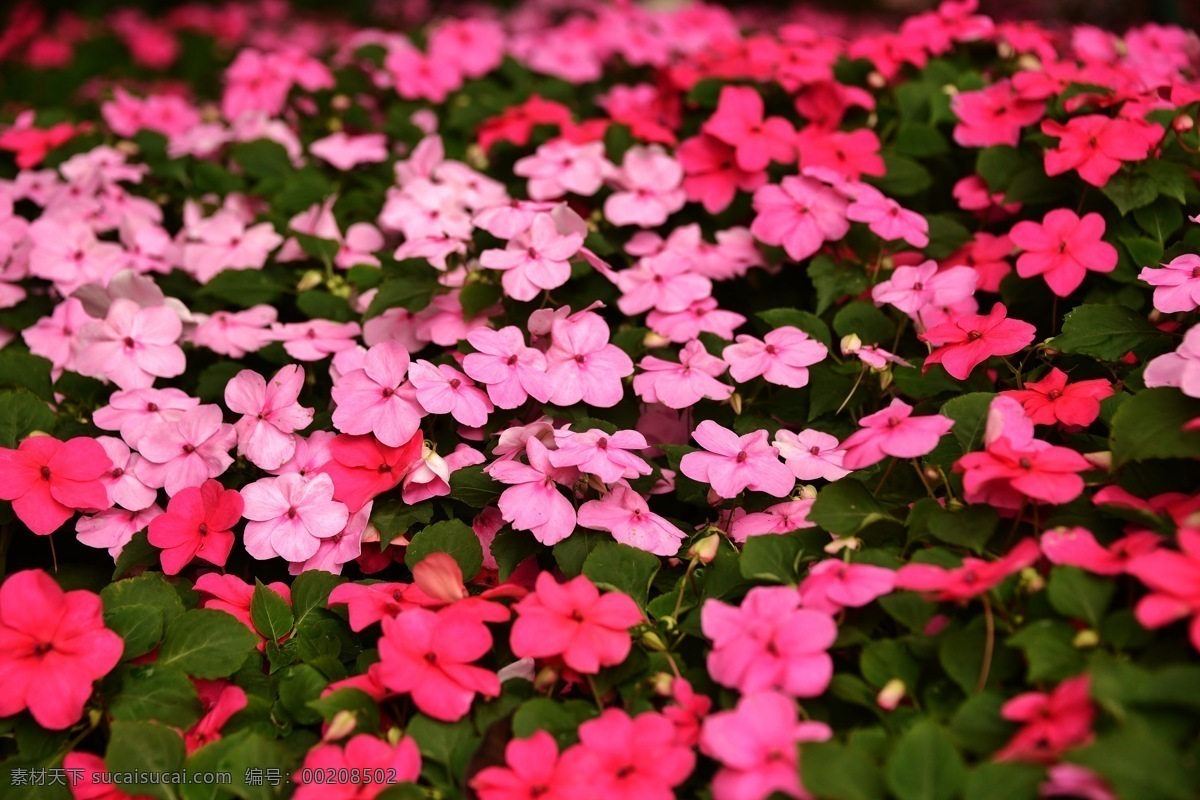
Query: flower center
{"x":741,"y":456}
{"x":291,"y":513}
{"x":1054,"y":394}
{"x":974,"y":335}
{"x":189,"y":448}
{"x":455,"y":383}
{"x":42,"y":648}
{"x":1025,"y":463}
{"x":512,"y":360}
{"x":388,"y":392}
{"x":129,"y":343}
{"x":814,"y":450}
{"x":203,"y":528}
{"x":45,"y":473}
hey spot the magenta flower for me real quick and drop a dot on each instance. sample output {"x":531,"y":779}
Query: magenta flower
{"x":1180,"y":369}
{"x":648,"y":188}
{"x":967,"y":340}
{"x":602,"y":454}
{"x":1077,"y":547}
{"x":376,"y":399}
{"x":1095,"y":145}
{"x":381,"y":765}
{"x":535,"y":261}
{"x":187,"y":451}
{"x":290,"y":515}
{"x":711,"y":174}
{"x":886,"y":218}
{"x":666,"y":282}
{"x":1008,"y":473}
{"x":197,"y":524}
{"x":625,"y":514}
{"x":893,"y":432}
{"x":1052,"y":400}
{"x":1174,"y":582}
{"x":631,"y":758}
{"x":1054,"y":722}
{"x":511,"y":371}
{"x":681,"y":385}
{"x":833,"y":584}
{"x":48,"y":480}
{"x":702,"y":316}
{"x":573,"y":620}
{"x":362,"y":467}
{"x":531,"y":502}
{"x":732,"y":464}
{"x":782,"y":357}
{"x":769,"y":643}
{"x":800,"y":214}
{"x":442,"y":389}
{"x":1062,"y":248}
{"x":757,"y":141}
{"x":132,"y":345}
{"x":533,"y":769}
{"x":582,"y":365}
{"x":811,"y":454}
{"x":972,"y":579}
{"x":53,"y":647}
{"x":994,"y":115}
{"x":270,"y":414}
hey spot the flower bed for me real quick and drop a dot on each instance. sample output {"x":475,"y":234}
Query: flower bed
{"x":574,"y":402}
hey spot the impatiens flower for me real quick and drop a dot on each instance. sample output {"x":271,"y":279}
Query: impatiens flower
{"x":510,"y":370}
{"x":225,"y":242}
{"x":1055,"y":721}
{"x":1077,"y":547}
{"x":893,"y":431}
{"x":535,"y":261}
{"x":886,"y":218}
{"x":532,"y":769}
{"x":430,"y":476}
{"x":800,"y":214}
{"x":731,"y":463}
{"x":111,"y":530}
{"x":712,"y":176}
{"x":132,"y":345}
{"x":756,"y":745}
{"x":136,"y":411}
{"x":994,"y":115}
{"x":197,"y":524}
{"x":1095,"y":145}
{"x":376,"y":399}
{"x":683,"y":384}
{"x":602,"y":454}
{"x":562,"y":167}
{"x":811,"y":454}
{"x":648,"y":188}
{"x":833,"y":584}
{"x":589,"y":630}
{"x":346,"y":152}
{"x":532,"y":502}
{"x":381,"y":766}
{"x":48,"y":480}
{"x":972,"y":579}
{"x":702,"y":316}
{"x":1177,"y":284}
{"x":54,"y":337}
{"x":270,"y":414}
{"x":1052,"y":400}
{"x":769,"y":643}
{"x":667,"y":282}
{"x":912,"y":289}
{"x":362,"y":467}
{"x":220,"y":700}
{"x":187,"y":451}
{"x":782,"y":357}
{"x":1073,"y":781}
{"x":53,"y":647}
{"x":582,"y":365}
{"x":316,"y":339}
{"x":850,"y":154}
{"x":965,"y":341}
{"x":429,"y":654}
{"x":442,"y":389}
{"x":625,"y":514}
{"x":289,"y":515}
{"x":1062,"y":248}
{"x":235,"y":333}
{"x":1174,"y":582}
{"x":785,"y":517}
{"x":1180,"y":369}
{"x":631,"y":758}
{"x":739,"y":122}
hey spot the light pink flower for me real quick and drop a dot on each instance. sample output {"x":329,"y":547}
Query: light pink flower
{"x":731,"y":463}
{"x":683,"y":384}
{"x":893,"y":431}
{"x":785,"y":517}
{"x":111,"y":530}
{"x":601,"y":454}
{"x":913,"y":289}
{"x":1177,"y":284}
{"x":886,"y":218}
{"x":833,"y":584}
{"x":811,"y":454}
{"x":666,"y":282}
{"x":1077,"y":547}
{"x":224,"y":242}
{"x":535,"y":261}
{"x":290,"y":515}
{"x":235,"y":333}
{"x":376,"y":399}
{"x":561,"y":167}
{"x":625,"y":514}
{"x":186,"y":451}
{"x":121,"y":482}
{"x":800,"y":214}
{"x":1180,"y":369}
{"x":782,"y":357}
{"x":442,"y":389}
{"x":346,"y":152}
{"x":531,"y":502}
{"x":316,"y":339}
{"x":136,"y":411}
{"x":702,"y":316}
{"x":582,"y":365}
{"x":54,"y":337}
{"x":132,"y":345}
{"x":431,"y":475}
{"x":649,"y":188}
{"x":270,"y":414}
{"x":510,"y":370}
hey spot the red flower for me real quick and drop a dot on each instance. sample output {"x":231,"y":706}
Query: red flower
{"x":362,"y":467}
{"x":1052,"y":399}
{"x":967,"y":340}
{"x":1054,"y":722}
{"x":197,"y":524}
{"x":972,"y":579}
{"x":48,"y":480}
{"x":1095,"y":145}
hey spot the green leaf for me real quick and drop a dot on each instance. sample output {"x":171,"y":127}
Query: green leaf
{"x":1137,"y":763}
{"x":138,"y":609}
{"x":978,"y":726}
{"x":926,"y":765}
{"x":476,"y":297}
{"x":888,"y":659}
{"x":840,"y":772}
{"x":1108,"y":332}
{"x":808,"y":322}
{"x":1005,"y":782}
{"x":1129,"y":190}
{"x":835,"y":281}
{"x":1049,"y":650}
{"x":356,"y":701}
{"x":244,"y":288}
{"x":138,"y":552}
{"x":453,"y":537}
{"x":472,"y":486}
{"x":1075,"y":593}
{"x":248,"y":750}
{"x":920,"y":140}
{"x":393,"y":517}
{"x":510,"y":548}
{"x":969,"y":412}
{"x":152,"y":693}
{"x":866,"y":320}
{"x":22,"y":413}
{"x":904,"y":178}
{"x":298,"y":686}
{"x":612,"y":565}
{"x":998,"y":165}
{"x":270,"y":613}
{"x":561,"y":719}
{"x":23,"y":370}
{"x":323,"y":250}
{"x":411,"y":292}
{"x":1150,"y":425}
{"x":262,"y":158}
{"x":970,"y":526}
{"x":206,"y":643}
{"x":322,"y":305}
{"x":145,"y":747}
{"x":448,"y":743}
{"x":772,"y":558}
{"x":310,"y":591}
{"x":846,"y":507}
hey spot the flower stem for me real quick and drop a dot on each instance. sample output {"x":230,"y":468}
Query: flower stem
{"x":989,"y":644}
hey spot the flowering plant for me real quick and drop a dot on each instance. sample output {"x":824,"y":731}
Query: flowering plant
{"x":595,"y":401}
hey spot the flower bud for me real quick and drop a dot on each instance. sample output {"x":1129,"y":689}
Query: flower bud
{"x":843,"y":543}
{"x":851,"y":344}
{"x":310,"y":280}
{"x":705,"y":550}
{"x":653,"y":341}
{"x":891,"y":694}
{"x":545,"y":679}
{"x":661,"y":683}
{"x":339,"y":102}
{"x":652,"y":641}
{"x":876,"y":80}
{"x":735,"y":402}
{"x":394,"y":735}
{"x":1086,"y":639}
{"x":806,"y":492}
{"x":1031,"y":580}
{"x":342,"y":725}
{"x":1101,"y":459}
{"x":1183,"y":123}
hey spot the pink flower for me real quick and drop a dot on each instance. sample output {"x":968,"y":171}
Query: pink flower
{"x":631,"y":758}
{"x":1062,"y":248}
{"x":886,"y":218}
{"x":430,"y":477}
{"x":197,"y":524}
{"x":912,"y":289}
{"x":510,"y":370}
{"x":1052,"y":400}
{"x":782,"y":357}
{"x":235,"y":333}
{"x":380,"y":764}
{"x":1096,"y":145}
{"x":535,"y":261}
{"x":769,"y":643}
{"x":376,"y":400}
{"x":790,"y":515}
{"x":418,"y":76}
{"x":684,"y":384}
{"x":1173,"y":579}
{"x":231,"y":594}
{"x":89,"y":778}
{"x":755,"y":744}
{"x":442,"y":389}
{"x":533,"y":769}
{"x":648,"y":188}
{"x":625,"y":514}
{"x":851,"y":154}
{"x":316,"y":339}
{"x":1055,"y":722}
{"x":800,"y":214}
{"x":602,"y":454}
{"x":811,"y":454}
{"x":346,"y":152}
{"x":1180,"y":369}
{"x":69,"y":254}
{"x":362,"y":467}
{"x":531,"y":502}
{"x":1177,"y":284}
{"x":731,"y":463}
{"x":367,"y":604}
{"x":48,"y":480}
{"x":53,"y":647}
{"x":1014,"y":467}
{"x":666,"y":281}
{"x":711,"y":174}
{"x":187,"y":451}
{"x":702,"y":316}
{"x":428,"y":655}
{"x":562,"y":167}
{"x":573,"y":620}
{"x":893,"y":431}
{"x":220,"y":701}
{"x":132,"y":345}
{"x":134,"y":412}
{"x":111,"y":530}
{"x":757,"y":141}
{"x":967,"y":340}
{"x":54,"y":337}
{"x":994,"y":115}
{"x":290,"y":515}
{"x":1077,"y":547}
{"x":972,"y":579}
{"x":833,"y":584}
{"x":270,"y":414}
{"x":1073,"y":781}
{"x":224,"y":242}
{"x":582,"y":365}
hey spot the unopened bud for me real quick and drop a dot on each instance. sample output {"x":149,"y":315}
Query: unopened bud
{"x":843,"y":543}
{"x":652,"y":641}
{"x":949,"y":90}
{"x":806,"y":492}
{"x":1086,"y":639}
{"x":310,"y":280}
{"x":1183,"y":123}
{"x":339,"y":102}
{"x":1029,"y":63}
{"x":1101,"y":459}
{"x":661,"y":682}
{"x":932,"y":473}
{"x":127,"y":147}
{"x":342,"y":725}
{"x":735,"y":402}
{"x":705,"y":550}
{"x":891,"y":694}
{"x":545,"y":679}
{"x":394,"y":735}
{"x":885,"y":378}
{"x":653,"y":341}
{"x":851,"y":344}
{"x":1032,"y":581}
{"x":477,"y":157}
{"x":876,"y":80}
